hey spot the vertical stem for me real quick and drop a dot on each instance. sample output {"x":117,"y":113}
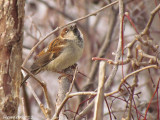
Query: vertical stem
{"x":98,"y":111}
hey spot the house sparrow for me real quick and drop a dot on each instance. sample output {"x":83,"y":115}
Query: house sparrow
{"x":63,"y":52}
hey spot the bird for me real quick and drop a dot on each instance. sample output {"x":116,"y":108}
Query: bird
{"x":61,"y":53}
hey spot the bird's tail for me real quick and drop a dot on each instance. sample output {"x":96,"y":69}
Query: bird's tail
{"x":25,"y":79}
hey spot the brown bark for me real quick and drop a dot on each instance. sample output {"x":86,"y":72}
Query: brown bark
{"x":11,"y":38}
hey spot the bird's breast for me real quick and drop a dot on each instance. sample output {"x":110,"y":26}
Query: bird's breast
{"x":69,"y":56}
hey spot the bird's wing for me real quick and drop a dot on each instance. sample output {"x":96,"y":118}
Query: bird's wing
{"x":48,"y":54}
{"x":41,"y":61}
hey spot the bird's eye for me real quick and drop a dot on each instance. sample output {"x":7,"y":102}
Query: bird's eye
{"x":66,"y":31}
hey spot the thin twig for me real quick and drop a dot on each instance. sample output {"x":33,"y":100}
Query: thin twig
{"x":153,"y":13}
{"x":55,"y":9}
{"x":121,"y":40}
{"x":131,"y":97}
{"x":157,"y":87}
{"x":137,"y":71}
{"x":108,"y":109}
{"x":38,"y":100}
{"x":64,"y":14}
{"x":74,"y":76}
{"x":91,"y":105}
{"x":112,"y":62}
{"x":86,"y":110}
{"x":43,"y":85}
{"x":33,"y":76}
